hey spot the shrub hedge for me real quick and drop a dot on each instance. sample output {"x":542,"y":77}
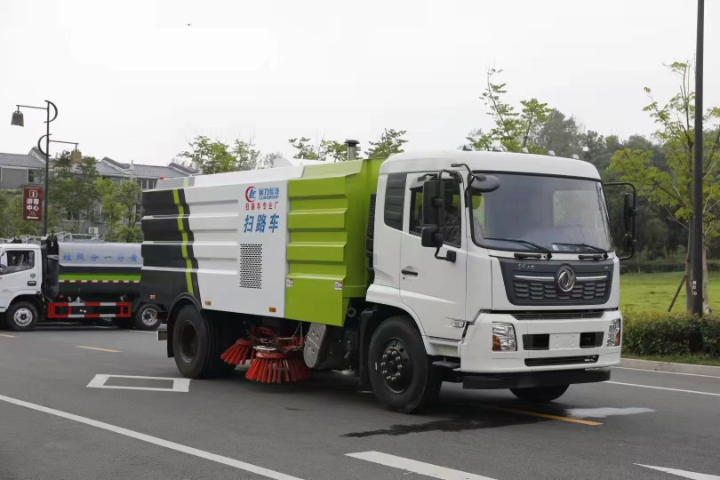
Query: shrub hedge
{"x":671,"y":334}
{"x":661,"y":266}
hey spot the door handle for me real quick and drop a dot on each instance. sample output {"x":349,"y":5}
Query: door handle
{"x":412,"y":273}
{"x":32,"y":283}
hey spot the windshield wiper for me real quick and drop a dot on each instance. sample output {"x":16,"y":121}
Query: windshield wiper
{"x":589,"y":247}
{"x":524,"y":242}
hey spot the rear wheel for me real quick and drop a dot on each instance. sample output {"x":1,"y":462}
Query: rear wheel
{"x":147,"y":318}
{"x":197,"y":345}
{"x":401,"y":374}
{"x":21,"y":316}
{"x":540,"y":394}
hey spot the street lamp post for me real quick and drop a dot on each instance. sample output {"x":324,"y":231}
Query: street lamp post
{"x":18,"y":120}
{"x":697,"y":227}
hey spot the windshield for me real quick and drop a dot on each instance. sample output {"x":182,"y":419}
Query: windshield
{"x":535,"y":213}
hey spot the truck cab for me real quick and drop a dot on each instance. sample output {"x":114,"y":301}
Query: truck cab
{"x":506,"y":265}
{"x":21,"y":276}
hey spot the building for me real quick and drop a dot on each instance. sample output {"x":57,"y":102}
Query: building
{"x":17,"y":170}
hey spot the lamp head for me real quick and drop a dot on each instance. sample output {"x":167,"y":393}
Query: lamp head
{"x":18,"y":118}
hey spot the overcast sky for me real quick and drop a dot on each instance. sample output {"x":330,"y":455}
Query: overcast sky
{"x":134,"y":82}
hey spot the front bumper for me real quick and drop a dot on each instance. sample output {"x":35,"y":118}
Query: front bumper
{"x":535,"y":379}
{"x":477,"y":357}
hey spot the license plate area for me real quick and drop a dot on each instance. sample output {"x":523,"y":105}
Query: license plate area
{"x":564,"y":341}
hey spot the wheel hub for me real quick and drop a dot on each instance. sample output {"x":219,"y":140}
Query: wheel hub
{"x":149,"y":316}
{"x":23,"y":317}
{"x":188,"y":343}
{"x":396,"y":366}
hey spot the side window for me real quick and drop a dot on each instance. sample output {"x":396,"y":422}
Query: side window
{"x":394,"y":200}
{"x":16,"y":261}
{"x":451,"y":227}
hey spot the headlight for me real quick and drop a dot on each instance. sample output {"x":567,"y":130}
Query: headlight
{"x":503,"y":337}
{"x":614,"y":333}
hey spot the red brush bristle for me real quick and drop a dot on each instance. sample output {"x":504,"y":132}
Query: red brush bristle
{"x":239,"y":352}
{"x":277,"y":367}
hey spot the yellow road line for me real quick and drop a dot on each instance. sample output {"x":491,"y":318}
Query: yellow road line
{"x":99,"y":349}
{"x":6,"y":335}
{"x":546,"y":415}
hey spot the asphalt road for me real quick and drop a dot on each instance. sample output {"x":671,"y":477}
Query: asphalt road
{"x":52,"y":426}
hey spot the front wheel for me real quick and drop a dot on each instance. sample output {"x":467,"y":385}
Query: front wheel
{"x":401,"y":374}
{"x":147,"y":318}
{"x":540,"y":394}
{"x":21,"y":316}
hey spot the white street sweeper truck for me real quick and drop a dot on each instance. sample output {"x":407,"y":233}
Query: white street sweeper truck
{"x":494,"y":270}
{"x":73,"y":281}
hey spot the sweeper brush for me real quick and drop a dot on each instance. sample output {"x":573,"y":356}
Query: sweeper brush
{"x":240,"y":352}
{"x":272,"y":365}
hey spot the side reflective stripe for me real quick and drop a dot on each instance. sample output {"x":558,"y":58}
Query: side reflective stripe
{"x":188,"y":263}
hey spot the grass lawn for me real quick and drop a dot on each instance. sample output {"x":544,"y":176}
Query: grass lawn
{"x":653,"y":292}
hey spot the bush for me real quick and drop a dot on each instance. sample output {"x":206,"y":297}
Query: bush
{"x":671,"y":334}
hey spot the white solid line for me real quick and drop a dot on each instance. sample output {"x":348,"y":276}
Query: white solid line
{"x":682,"y":473}
{"x":670,"y":373}
{"x":414,"y":466}
{"x":665,"y":388}
{"x":231,"y":462}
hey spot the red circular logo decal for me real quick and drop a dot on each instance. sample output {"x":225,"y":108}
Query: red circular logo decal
{"x":250,"y":194}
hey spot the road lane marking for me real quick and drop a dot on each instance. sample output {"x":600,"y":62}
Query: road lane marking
{"x":669,"y":373}
{"x":665,"y":388}
{"x":179,"y":384}
{"x":99,"y":349}
{"x":414,"y":466}
{"x":6,"y":335}
{"x":604,"y":412}
{"x":682,"y":473}
{"x":545,"y":415}
{"x":153,"y":440}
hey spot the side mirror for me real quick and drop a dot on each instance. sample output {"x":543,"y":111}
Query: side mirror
{"x":432,"y":202}
{"x":629,"y":211}
{"x":485,"y":183}
{"x":431,"y":237}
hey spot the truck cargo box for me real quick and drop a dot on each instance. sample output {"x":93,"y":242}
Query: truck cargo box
{"x":285,"y":242}
{"x":91,"y":269}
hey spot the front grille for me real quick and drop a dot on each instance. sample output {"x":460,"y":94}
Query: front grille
{"x":546,"y":362}
{"x":531,"y":291}
{"x":558,"y":315}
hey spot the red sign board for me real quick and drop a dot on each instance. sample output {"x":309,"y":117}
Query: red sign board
{"x":32,"y":203}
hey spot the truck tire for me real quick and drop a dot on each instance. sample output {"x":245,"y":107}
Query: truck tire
{"x":147,"y":318}
{"x":401,"y":373}
{"x":540,"y":394}
{"x":21,"y":316}
{"x":197,"y":345}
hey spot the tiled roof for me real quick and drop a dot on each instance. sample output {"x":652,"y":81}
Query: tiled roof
{"x":20,"y":160}
{"x":109,"y":167}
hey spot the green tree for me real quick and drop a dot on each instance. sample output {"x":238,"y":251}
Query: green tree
{"x":390,"y":143}
{"x":325,"y":150}
{"x":130,"y":198}
{"x":210,"y":157}
{"x":112,"y":210}
{"x":73,"y":189}
{"x":305,"y":150}
{"x":513,"y":130}
{"x":246,"y":156}
{"x":671,"y":185}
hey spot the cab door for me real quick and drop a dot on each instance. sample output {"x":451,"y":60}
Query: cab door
{"x":19,"y":273}
{"x":435,"y":289}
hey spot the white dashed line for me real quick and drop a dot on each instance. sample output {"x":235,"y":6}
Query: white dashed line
{"x":665,"y":388}
{"x":231,"y":462}
{"x":414,"y":466}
